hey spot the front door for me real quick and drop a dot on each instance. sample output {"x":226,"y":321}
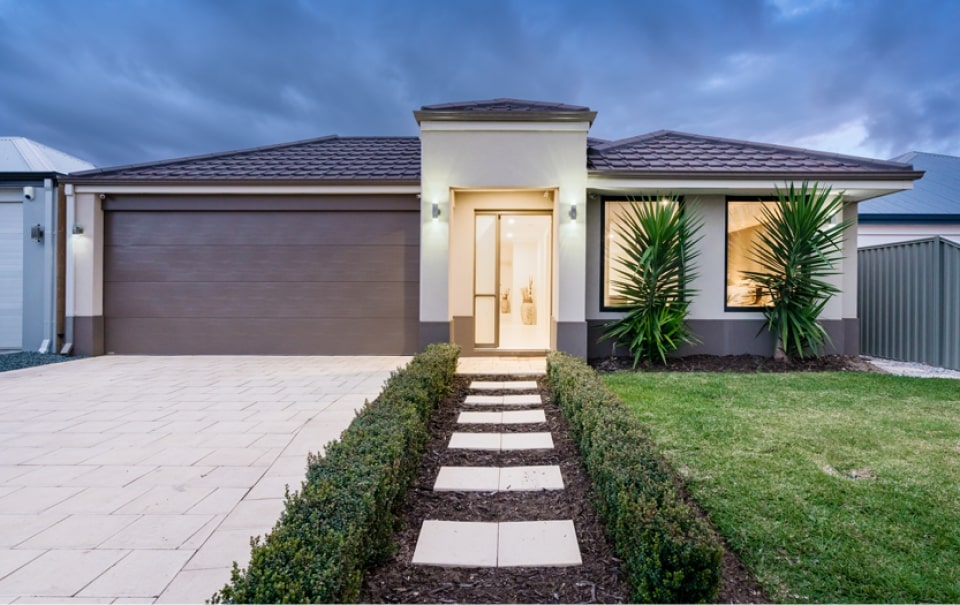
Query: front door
{"x":512,"y":280}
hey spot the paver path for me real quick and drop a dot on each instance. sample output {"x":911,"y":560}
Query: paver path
{"x":127,"y":478}
{"x":498,"y":544}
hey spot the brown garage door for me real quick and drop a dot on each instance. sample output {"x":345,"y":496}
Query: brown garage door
{"x":240,"y":281}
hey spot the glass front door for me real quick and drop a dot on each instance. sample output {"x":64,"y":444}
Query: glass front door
{"x":512,"y":286}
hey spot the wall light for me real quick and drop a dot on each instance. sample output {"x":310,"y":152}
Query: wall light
{"x":436,"y":210}
{"x":77,"y":229}
{"x":573,"y":211}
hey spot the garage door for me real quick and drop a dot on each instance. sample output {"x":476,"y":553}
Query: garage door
{"x":11,"y":269}
{"x":255,"y":282}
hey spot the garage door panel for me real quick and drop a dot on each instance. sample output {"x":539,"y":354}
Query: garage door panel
{"x":317,"y":263}
{"x":261,"y":228}
{"x":170,"y":336}
{"x":11,"y":275}
{"x":219,"y":300}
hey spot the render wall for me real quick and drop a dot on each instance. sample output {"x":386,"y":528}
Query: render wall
{"x":872,"y":234}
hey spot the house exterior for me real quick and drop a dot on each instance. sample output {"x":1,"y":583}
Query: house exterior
{"x":493,"y":229}
{"x":930,"y":209}
{"x":31,"y":241}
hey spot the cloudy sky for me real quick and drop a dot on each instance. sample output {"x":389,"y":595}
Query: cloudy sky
{"x":126,"y":81}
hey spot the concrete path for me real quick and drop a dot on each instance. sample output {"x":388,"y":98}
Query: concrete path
{"x":124,"y":479}
{"x":548,"y":543}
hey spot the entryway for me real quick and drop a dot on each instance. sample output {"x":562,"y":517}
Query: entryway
{"x":512,"y":280}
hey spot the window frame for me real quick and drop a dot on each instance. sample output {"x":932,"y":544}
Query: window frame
{"x":603,"y":242}
{"x":726,"y":248}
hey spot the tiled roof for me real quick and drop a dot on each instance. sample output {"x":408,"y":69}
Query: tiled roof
{"x":20,"y":155}
{"x":667,"y":151}
{"x":332,"y":158}
{"x":937,"y":194}
{"x":498,"y":105}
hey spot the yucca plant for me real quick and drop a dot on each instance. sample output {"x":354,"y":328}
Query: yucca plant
{"x":659,"y":245}
{"x":797,"y":250}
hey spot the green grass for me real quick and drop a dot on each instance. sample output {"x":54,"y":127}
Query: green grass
{"x":769,"y":456}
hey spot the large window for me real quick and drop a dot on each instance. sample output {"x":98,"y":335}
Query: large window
{"x":743,"y":228}
{"x":614,"y":209}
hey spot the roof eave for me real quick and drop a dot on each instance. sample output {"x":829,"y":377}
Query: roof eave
{"x":433,"y":115}
{"x":899,"y":175}
{"x":885,"y":219}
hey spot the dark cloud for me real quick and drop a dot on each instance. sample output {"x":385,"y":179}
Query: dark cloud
{"x":124,"y":81}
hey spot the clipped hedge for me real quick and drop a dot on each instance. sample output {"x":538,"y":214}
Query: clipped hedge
{"x":669,"y":554}
{"x":342,"y":520}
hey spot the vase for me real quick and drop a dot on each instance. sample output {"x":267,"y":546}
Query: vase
{"x":528,"y":314}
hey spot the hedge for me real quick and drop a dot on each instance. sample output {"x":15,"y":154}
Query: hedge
{"x":342,"y":520}
{"x":669,"y":554}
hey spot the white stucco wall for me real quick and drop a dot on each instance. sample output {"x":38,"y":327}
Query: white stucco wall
{"x":84,"y":295}
{"x":876,"y":235}
{"x":500,"y":155}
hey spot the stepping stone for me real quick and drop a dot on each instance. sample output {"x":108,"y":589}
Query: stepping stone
{"x":457,"y":544}
{"x":495,"y":479}
{"x":480,"y":418}
{"x":524,"y":417}
{"x":475,"y":441}
{"x":512,"y":385}
{"x":520,"y":417}
{"x":529,"y":478}
{"x":537,"y":544}
{"x":468,"y":479}
{"x":503,"y":400}
{"x":526,"y":441}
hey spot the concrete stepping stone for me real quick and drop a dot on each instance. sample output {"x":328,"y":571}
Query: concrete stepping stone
{"x":510,"y":385}
{"x":495,"y":479}
{"x":509,"y":544}
{"x":514,"y":417}
{"x":501,"y":441}
{"x":503,"y":400}
{"x":530,"y":478}
{"x":457,"y":544}
{"x":467,"y":479}
{"x":538,"y":544}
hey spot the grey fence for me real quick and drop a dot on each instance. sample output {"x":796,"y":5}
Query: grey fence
{"x":909,"y":301}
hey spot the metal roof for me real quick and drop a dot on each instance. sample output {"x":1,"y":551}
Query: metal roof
{"x":332,"y":158}
{"x":21,"y":155}
{"x":935,"y":196}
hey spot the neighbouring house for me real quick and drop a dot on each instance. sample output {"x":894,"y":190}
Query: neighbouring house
{"x":492,"y":229}
{"x":931,"y":208}
{"x":31,"y":239}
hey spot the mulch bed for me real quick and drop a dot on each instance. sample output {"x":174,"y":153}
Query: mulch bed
{"x":737,"y":363}
{"x":598,"y":580}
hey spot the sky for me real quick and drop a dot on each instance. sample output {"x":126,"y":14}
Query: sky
{"x":119,"y":82}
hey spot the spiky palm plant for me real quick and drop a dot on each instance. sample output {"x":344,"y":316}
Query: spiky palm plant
{"x":659,"y":246}
{"x":797,"y":250}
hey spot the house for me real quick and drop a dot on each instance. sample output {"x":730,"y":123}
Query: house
{"x":931,"y":208}
{"x":491,"y":229}
{"x":31,"y":238}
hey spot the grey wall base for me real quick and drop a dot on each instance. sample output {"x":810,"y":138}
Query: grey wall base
{"x":572,"y":338}
{"x":735,"y":337}
{"x":433,"y":332}
{"x":87,"y":335}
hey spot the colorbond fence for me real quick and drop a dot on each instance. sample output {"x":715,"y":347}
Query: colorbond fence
{"x":909,"y":301}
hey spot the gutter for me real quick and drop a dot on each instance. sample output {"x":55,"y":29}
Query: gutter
{"x":884,"y":175}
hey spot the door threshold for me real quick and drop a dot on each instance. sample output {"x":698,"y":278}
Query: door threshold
{"x":508,"y":353}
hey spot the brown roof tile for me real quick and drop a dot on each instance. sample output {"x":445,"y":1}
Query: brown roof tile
{"x":331,"y":158}
{"x":666,"y":151}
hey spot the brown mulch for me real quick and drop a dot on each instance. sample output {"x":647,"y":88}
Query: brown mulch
{"x":737,"y":363}
{"x":598,"y":580}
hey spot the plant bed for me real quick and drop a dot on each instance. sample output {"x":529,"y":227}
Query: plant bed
{"x":737,"y":363}
{"x":597,"y":580}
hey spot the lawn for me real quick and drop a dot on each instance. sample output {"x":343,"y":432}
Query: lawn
{"x":832,"y":487}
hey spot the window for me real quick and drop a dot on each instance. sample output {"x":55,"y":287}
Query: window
{"x":743,"y":228}
{"x":613,"y":212}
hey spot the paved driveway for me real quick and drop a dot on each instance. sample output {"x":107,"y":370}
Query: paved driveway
{"x":124,"y":479}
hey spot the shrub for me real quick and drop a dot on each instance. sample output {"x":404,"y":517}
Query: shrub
{"x":342,"y":520}
{"x":669,"y":554}
{"x":659,"y":245}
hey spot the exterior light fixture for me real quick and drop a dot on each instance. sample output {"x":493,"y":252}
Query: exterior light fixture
{"x":77,"y":229}
{"x":573,"y":211}
{"x":436,"y":210}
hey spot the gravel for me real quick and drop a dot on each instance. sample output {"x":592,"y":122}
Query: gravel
{"x":910,"y":368}
{"x":26,"y":359}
